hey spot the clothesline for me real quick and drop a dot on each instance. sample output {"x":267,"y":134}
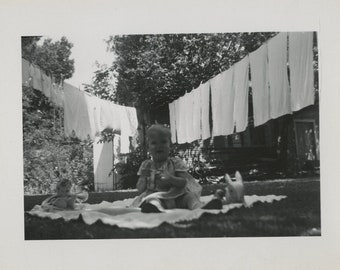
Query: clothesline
{"x":85,"y":115}
{"x":271,"y":93}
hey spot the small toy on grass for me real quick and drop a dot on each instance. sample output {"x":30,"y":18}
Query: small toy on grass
{"x":64,"y":198}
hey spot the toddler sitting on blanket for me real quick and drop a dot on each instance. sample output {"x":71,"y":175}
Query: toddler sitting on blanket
{"x":164,"y":182}
{"x":64,"y":199}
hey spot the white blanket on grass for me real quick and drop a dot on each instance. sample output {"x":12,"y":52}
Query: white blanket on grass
{"x":118,"y":213}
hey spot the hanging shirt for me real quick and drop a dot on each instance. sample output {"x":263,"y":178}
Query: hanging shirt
{"x":172,"y":117}
{"x":205,"y":110}
{"x":222,"y":103}
{"x":241,"y":88}
{"x":278,"y":76}
{"x":301,"y":69}
{"x":76,"y":117}
{"x":260,"y":84}
{"x":196,"y":115}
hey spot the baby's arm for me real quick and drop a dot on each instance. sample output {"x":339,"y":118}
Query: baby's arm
{"x":167,"y":180}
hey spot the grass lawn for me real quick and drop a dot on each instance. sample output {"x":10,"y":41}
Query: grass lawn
{"x":297,"y":215}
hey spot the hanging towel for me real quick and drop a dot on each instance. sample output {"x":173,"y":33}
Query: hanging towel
{"x":181,"y":119}
{"x":189,"y":117}
{"x":196,"y":115}
{"x":25,"y":72}
{"x":301,"y":69}
{"x":133,"y":121}
{"x":125,"y":130}
{"x":278,"y":77}
{"x":222,"y":103}
{"x":76,"y":117}
{"x":241,"y":88}
{"x":260,"y":84}
{"x":102,"y":165}
{"x":172,"y":117}
{"x":205,"y":110}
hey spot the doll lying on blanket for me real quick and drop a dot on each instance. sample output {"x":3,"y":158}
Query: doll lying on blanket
{"x":64,"y":199}
{"x":164,"y":182}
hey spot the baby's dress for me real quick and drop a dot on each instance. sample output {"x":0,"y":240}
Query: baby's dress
{"x":171,"y":166}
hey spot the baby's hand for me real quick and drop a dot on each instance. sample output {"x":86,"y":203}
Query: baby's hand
{"x":163,"y":180}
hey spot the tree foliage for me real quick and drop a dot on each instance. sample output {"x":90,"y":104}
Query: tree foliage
{"x":52,"y":57}
{"x":156,"y":69}
{"x":48,"y":154}
{"x":102,"y":83}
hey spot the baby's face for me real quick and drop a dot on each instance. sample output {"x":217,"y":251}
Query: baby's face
{"x":159,"y":147}
{"x":64,"y":190}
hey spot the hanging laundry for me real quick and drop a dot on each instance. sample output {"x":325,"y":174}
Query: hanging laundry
{"x":94,"y":109}
{"x":59,"y":98}
{"x":172,"y":117}
{"x":260,"y":84}
{"x":76,"y":117}
{"x":189,"y":117}
{"x":301,"y":69}
{"x":102,"y":165}
{"x":178,"y":119}
{"x":205,"y":110}
{"x":133,"y":121}
{"x":196,"y":115}
{"x":37,"y":79}
{"x":241,"y":89}
{"x":181,"y":119}
{"x":25,"y":72}
{"x":222,"y":103}
{"x":47,"y":86}
{"x":278,"y":76}
{"x":110,"y":116}
{"x":125,"y":130}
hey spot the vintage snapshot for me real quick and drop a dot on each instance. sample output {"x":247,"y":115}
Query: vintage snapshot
{"x":183,"y":135}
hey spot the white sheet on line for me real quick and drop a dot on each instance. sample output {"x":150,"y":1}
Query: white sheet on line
{"x":196,"y":115}
{"x":260,"y":84}
{"x":172,"y":116}
{"x":241,"y":89}
{"x":278,"y":76}
{"x":222,"y":103}
{"x":301,"y":69}
{"x":205,"y":110}
{"x":102,"y":165}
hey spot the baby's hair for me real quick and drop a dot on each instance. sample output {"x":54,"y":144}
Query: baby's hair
{"x":159,"y":130}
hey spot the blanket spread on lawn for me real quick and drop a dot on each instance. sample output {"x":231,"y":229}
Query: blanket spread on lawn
{"x":120,"y":214}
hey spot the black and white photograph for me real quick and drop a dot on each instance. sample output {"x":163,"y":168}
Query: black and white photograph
{"x":175,"y":135}
{"x":169,"y":134}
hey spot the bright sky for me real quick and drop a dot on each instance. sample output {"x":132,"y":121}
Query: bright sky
{"x":86,"y":50}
